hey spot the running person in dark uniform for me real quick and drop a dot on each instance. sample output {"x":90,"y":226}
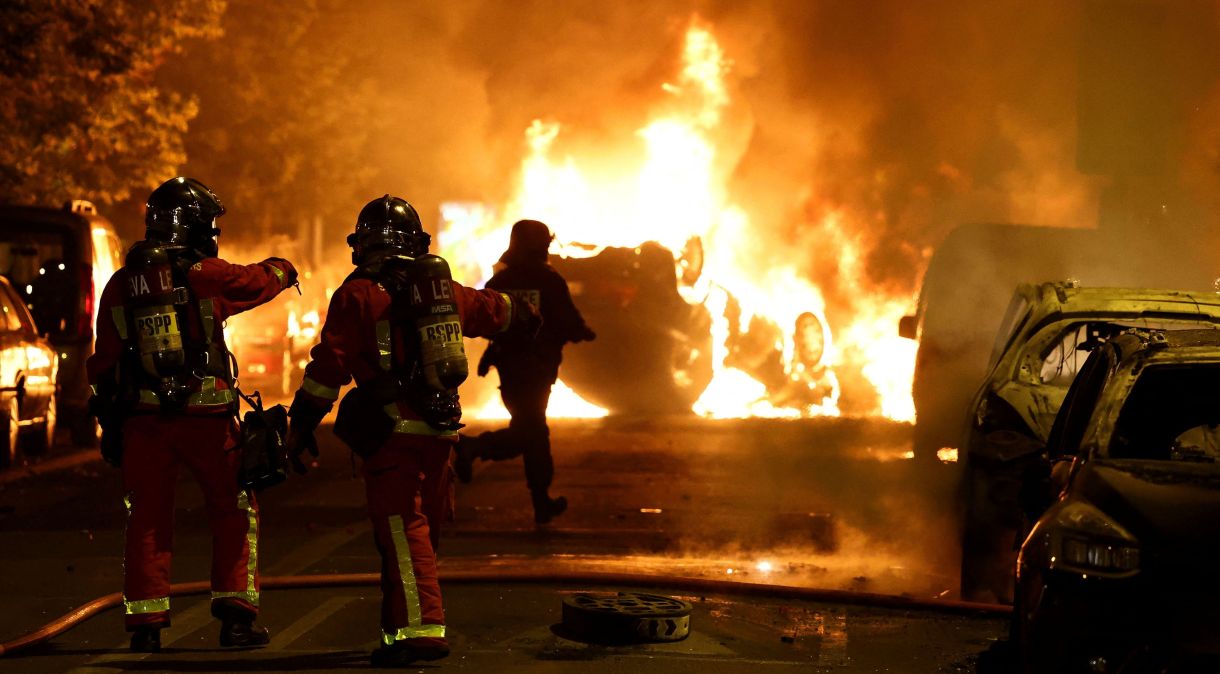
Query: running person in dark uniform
{"x":528,"y":367}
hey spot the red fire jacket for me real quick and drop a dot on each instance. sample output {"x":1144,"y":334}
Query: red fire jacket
{"x":228,"y":288}
{"x":358,"y":329}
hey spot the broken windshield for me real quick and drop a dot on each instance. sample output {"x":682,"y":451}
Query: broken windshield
{"x":1171,"y":414}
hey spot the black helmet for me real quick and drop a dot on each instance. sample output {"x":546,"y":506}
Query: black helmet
{"x":387,"y":225}
{"x":528,"y":242}
{"x":183,"y":211}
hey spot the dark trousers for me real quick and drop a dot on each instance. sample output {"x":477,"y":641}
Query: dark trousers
{"x":527,"y":434}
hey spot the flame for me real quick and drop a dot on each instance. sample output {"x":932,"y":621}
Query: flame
{"x":886,"y":360}
{"x":564,"y":402}
{"x":672,"y":190}
{"x":105,"y":264}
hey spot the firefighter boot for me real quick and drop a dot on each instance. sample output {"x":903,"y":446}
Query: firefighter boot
{"x":243,"y":634}
{"x":146,"y":640}
{"x":407,"y":651}
{"x":547,"y":508}
{"x":237,"y":628}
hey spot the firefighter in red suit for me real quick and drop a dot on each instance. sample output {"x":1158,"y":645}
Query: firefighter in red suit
{"x":395,"y":326}
{"x":163,"y":394}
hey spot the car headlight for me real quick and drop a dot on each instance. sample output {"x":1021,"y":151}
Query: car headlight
{"x":1082,"y":539}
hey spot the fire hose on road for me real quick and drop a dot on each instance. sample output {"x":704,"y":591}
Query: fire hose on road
{"x":504,"y":575}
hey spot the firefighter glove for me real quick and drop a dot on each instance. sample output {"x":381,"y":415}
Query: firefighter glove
{"x":112,"y":446}
{"x":290,"y":279}
{"x":304,"y":417}
{"x":299,"y":441}
{"x":112,"y":430}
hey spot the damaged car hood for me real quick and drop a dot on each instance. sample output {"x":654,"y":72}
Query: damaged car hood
{"x":1165,"y":504}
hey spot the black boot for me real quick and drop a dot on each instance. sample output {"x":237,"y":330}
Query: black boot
{"x":403,"y":653}
{"x":243,"y":634}
{"x":146,"y":640}
{"x":547,"y":508}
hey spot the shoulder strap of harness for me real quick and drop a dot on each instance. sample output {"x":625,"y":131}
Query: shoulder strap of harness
{"x":210,"y":346}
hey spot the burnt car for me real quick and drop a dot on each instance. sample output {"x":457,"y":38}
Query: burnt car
{"x":59,"y":260}
{"x":967,"y":286}
{"x":1118,"y":574}
{"x":1045,"y":337}
{"x":654,"y":354}
{"x":654,"y":350}
{"x":28,"y":367}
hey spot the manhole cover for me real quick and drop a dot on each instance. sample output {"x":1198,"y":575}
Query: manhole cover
{"x":626,"y":617}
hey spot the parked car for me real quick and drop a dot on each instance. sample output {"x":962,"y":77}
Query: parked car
{"x":58,"y":261}
{"x":1043,"y":340}
{"x":1119,"y":573}
{"x":28,"y":367}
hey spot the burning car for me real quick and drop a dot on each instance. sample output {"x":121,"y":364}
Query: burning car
{"x":1043,"y":341}
{"x":654,"y":352}
{"x":1119,"y":573}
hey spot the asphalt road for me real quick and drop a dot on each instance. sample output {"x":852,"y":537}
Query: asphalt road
{"x":816,"y":503}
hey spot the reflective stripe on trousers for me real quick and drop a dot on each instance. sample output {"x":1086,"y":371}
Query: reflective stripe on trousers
{"x":146,"y":606}
{"x":251,"y":592}
{"x":406,"y":570}
{"x":142,"y":606}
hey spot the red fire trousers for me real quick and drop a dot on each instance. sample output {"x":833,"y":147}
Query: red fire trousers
{"x":153,"y":448}
{"x":407,"y":482}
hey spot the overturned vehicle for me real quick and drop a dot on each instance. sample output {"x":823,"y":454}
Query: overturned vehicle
{"x":654,"y":352}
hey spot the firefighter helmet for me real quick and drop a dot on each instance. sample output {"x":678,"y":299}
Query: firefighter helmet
{"x":388,"y":225}
{"x":183,"y":211}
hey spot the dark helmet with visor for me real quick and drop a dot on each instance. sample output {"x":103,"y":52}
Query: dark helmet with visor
{"x":183,"y":211}
{"x":387,"y":226}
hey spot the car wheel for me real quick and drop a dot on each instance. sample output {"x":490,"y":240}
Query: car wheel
{"x":41,"y":437}
{"x":9,"y":428}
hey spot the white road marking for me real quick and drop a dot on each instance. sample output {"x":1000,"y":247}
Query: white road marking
{"x":308,"y":621}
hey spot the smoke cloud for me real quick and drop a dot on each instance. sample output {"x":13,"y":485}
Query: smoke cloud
{"x":907,"y":118}
{"x":859,"y":133}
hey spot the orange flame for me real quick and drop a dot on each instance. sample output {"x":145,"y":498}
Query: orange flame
{"x":674,"y":191}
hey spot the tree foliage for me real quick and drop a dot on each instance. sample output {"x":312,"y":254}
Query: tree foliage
{"x":81,"y":115}
{"x":283,"y":122}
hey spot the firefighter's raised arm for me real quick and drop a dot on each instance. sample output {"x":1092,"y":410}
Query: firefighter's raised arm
{"x":241,"y":287}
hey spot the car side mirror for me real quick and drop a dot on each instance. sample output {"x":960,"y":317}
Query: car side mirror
{"x":906,"y":326}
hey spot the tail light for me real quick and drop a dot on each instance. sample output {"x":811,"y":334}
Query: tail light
{"x":84,"y":324}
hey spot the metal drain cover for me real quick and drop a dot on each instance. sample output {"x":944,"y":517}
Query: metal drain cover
{"x":626,"y":617}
